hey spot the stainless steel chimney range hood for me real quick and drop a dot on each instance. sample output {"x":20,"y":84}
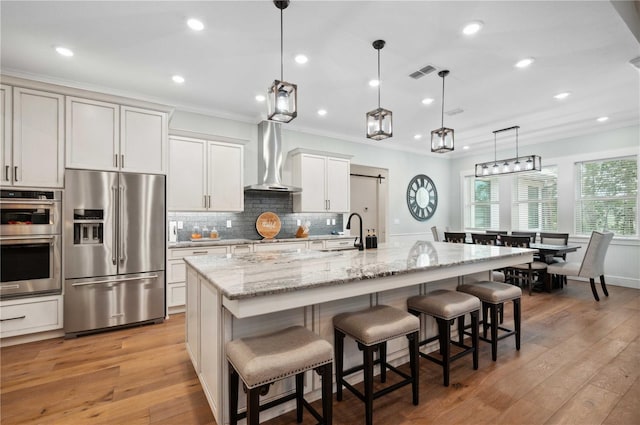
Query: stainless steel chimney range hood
{"x":270,"y":160}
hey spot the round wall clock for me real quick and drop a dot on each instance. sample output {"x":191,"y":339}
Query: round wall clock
{"x":422,"y":197}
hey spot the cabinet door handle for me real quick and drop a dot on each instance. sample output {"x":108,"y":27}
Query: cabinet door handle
{"x":15,"y":173}
{"x":122,"y":161}
{"x":204,"y":200}
{"x":329,"y":202}
{"x":199,"y":252}
{"x":115,"y":160}
{"x":209,"y":198}
{"x":6,"y":172}
{"x":13,"y":318}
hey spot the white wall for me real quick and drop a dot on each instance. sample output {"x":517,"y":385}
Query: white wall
{"x":622,"y":262}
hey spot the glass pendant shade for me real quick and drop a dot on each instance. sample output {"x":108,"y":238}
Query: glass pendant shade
{"x":379,"y":124}
{"x":442,"y":140}
{"x":282,"y":101}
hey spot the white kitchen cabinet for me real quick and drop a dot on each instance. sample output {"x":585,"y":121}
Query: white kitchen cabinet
{"x":205,"y":175}
{"x":107,"y":136}
{"x":30,"y":315}
{"x":279,"y":246}
{"x":32,"y":138}
{"x":176,"y":273}
{"x":324,"y":181}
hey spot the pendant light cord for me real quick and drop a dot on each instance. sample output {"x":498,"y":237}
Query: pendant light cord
{"x":495,"y":157}
{"x":442,"y":114}
{"x":379,"y":82}
{"x":517,"y":144}
{"x":281,"y":47}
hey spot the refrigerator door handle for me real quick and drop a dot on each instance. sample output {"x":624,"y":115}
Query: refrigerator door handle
{"x":99,"y":282}
{"x":121,"y":247}
{"x":115,"y":236}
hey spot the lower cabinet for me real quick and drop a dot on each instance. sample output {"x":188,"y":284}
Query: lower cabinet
{"x":176,"y":273}
{"x":30,"y":315}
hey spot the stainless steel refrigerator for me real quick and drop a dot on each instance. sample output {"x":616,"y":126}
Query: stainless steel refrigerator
{"x":114,"y":248}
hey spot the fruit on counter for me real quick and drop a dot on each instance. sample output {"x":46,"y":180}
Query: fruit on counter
{"x":196,"y":236}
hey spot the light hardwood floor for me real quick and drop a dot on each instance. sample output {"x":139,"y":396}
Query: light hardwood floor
{"x":579,"y":363}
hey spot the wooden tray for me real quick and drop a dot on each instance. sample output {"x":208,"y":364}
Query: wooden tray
{"x":268,"y":225}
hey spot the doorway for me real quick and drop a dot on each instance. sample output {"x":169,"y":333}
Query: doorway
{"x":369,"y":195}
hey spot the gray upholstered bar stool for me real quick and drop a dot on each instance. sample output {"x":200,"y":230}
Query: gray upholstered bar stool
{"x":261,"y":360}
{"x":371,"y":329}
{"x":493,"y":295}
{"x":446,"y":306}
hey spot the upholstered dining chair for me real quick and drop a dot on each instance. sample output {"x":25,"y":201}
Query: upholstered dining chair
{"x":527,"y":271}
{"x":556,"y":239}
{"x":532,"y":235}
{"x":592,"y":264}
{"x":455,"y":237}
{"x":434,"y":231}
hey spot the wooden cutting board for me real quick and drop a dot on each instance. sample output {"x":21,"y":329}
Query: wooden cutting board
{"x":268,"y":225}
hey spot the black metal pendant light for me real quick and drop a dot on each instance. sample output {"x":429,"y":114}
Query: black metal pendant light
{"x":442,"y":138}
{"x":282,"y":96}
{"x":380,"y":120}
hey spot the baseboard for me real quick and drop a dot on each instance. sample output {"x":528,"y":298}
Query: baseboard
{"x":614,"y":281}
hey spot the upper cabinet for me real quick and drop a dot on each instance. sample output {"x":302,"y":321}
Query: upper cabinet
{"x":32,"y":137}
{"x":107,"y":136}
{"x":324,"y":179}
{"x":205,"y":175}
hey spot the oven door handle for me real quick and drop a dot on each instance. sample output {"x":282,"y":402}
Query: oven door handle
{"x":99,"y":282}
{"x":29,"y":240}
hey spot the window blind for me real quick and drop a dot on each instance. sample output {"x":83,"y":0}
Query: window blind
{"x":607,"y":196}
{"x":535,"y":201}
{"x":481,"y":203}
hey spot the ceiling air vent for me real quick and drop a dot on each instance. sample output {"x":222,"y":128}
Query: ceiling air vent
{"x":454,"y":111}
{"x":635,"y":62}
{"x":422,"y":72}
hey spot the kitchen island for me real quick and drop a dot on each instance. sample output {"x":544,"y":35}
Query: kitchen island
{"x":240,"y":295}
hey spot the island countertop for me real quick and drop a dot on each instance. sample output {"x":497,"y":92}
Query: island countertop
{"x":242,"y":276}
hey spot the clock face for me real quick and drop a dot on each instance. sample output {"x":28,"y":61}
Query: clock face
{"x":422,"y":197}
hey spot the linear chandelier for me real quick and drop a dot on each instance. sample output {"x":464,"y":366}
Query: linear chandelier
{"x":510,"y":165}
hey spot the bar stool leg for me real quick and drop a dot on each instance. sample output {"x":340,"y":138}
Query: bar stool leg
{"x":414,"y":356}
{"x":494,"y":331}
{"x":368,"y":382}
{"x":233,"y":395}
{"x":445,"y":348}
{"x":461,"y":329}
{"x":475,"y":337}
{"x":382,"y":355}
{"x":338,"y":340}
{"x":485,"y":318}
{"x":253,"y":406}
{"x":299,"y":395}
{"x":327,"y":393}
{"x":517,"y":316}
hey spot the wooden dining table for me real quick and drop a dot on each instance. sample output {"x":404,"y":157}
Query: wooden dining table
{"x":547,"y":252}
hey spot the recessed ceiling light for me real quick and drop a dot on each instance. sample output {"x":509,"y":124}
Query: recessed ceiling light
{"x":562,"y":95}
{"x":523,"y":63}
{"x":64,"y":51}
{"x":301,"y":59}
{"x":418,"y":136}
{"x":466,"y":148}
{"x":322,"y":112}
{"x":472,"y":27}
{"x":195,"y":24}
{"x":178,"y":79}
{"x":374,"y":83}
{"x":602,"y":119}
{"x":427,"y":101}
{"x":260,"y":98}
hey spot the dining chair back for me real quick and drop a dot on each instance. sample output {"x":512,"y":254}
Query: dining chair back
{"x":516,"y":241}
{"x":484,"y":239}
{"x":434,"y":231}
{"x":554,"y":238}
{"x":592,"y":265}
{"x":455,"y":237}
{"x":531,"y":235}
{"x":528,"y":272}
{"x":496,"y":232}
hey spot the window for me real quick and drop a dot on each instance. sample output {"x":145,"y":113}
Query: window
{"x":535,"y":201}
{"x":607,"y":196}
{"x":481,"y":209}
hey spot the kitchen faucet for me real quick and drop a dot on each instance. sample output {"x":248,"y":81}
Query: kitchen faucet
{"x":360,"y":245}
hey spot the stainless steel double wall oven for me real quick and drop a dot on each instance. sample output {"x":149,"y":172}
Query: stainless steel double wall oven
{"x":30,"y":242}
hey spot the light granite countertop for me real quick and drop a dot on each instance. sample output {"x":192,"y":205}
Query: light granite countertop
{"x":217,"y":242}
{"x":240,"y":276}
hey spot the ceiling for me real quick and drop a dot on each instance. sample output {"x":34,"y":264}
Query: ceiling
{"x":134,"y":48}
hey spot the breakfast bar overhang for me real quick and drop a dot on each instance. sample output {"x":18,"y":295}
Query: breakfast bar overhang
{"x":241,"y":295}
